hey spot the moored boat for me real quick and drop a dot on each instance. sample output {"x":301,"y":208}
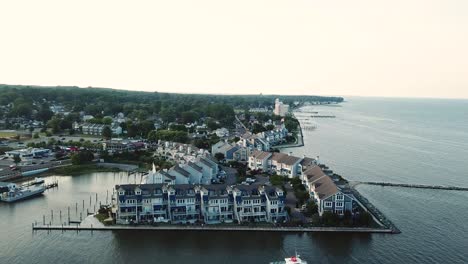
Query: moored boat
{"x":10,"y":192}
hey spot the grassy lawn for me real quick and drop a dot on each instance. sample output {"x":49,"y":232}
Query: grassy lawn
{"x":7,"y":134}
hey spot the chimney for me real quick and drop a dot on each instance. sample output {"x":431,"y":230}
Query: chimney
{"x":318,"y":160}
{"x":290,"y":153}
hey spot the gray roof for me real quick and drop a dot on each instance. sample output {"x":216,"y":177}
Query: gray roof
{"x":260,"y":154}
{"x":179,"y":169}
{"x":195,"y":166}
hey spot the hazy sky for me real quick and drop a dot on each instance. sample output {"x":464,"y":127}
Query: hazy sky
{"x":414,"y":48}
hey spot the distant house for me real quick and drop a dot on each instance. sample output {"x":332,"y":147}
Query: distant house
{"x":231,"y":152}
{"x":252,"y":141}
{"x":96,"y":129}
{"x":222,"y":132}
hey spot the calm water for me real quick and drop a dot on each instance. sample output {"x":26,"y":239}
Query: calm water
{"x":414,"y":141}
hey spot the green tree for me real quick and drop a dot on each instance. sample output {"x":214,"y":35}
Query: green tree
{"x":82,"y":157}
{"x":311,"y":209}
{"x":107,"y":132}
{"x":219,"y":156}
{"x":16,"y":159}
{"x":54,"y":124}
{"x":107,"y":121}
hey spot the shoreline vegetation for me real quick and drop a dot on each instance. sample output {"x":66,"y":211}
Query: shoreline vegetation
{"x":76,"y":170}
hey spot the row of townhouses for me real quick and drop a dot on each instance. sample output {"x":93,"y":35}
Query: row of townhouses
{"x":96,"y":129}
{"x":322,"y":187}
{"x":263,"y":141}
{"x":209,"y":204}
{"x":201,"y":171}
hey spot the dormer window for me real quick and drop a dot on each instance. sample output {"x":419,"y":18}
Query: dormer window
{"x":121,"y":192}
{"x":138,"y":192}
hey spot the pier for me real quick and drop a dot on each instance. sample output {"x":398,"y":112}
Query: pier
{"x":417,"y":186}
{"x":51,"y":185}
{"x":322,"y":116}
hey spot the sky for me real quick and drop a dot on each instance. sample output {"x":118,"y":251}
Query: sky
{"x":398,"y":48}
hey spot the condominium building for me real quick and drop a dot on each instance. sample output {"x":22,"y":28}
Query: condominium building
{"x":209,"y":204}
{"x":281,"y":109}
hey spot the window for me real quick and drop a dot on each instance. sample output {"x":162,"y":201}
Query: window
{"x":328,"y":204}
{"x":339,"y":204}
{"x":340,"y":197}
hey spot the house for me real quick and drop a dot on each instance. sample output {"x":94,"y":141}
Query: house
{"x":210,"y":169}
{"x":274,"y":201}
{"x":258,"y":160}
{"x":252,"y":141}
{"x":222,"y":132}
{"x":181,"y":176}
{"x":216,"y":204}
{"x":231,"y":152}
{"x":158,"y":177}
{"x":327,"y":195}
{"x":248,"y":203}
{"x":184,"y":203}
{"x":195,"y":171}
{"x":142,"y":203}
{"x":285,"y":164}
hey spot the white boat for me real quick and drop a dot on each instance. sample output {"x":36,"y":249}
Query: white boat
{"x":291,"y":260}
{"x":10,"y":192}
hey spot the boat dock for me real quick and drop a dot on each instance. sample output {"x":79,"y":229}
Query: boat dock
{"x":51,"y":185}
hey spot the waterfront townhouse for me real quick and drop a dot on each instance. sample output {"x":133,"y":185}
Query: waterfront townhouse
{"x":216,"y":204}
{"x":259,"y":160}
{"x":141,"y":203}
{"x":285,"y":164}
{"x":274,"y":201}
{"x":184,"y":203}
{"x":249,"y":203}
{"x":327,"y":195}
